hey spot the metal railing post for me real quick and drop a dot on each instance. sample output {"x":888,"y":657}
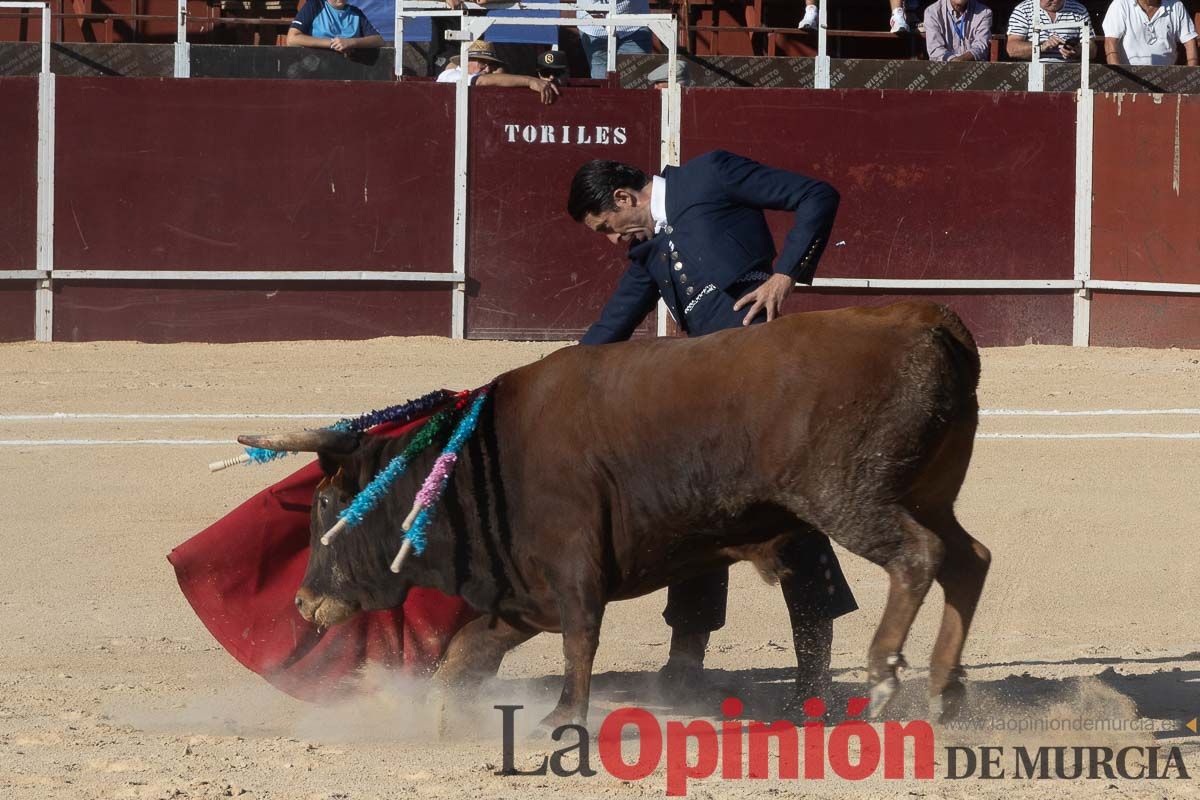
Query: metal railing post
{"x":1084,"y":143}
{"x":183,"y":58}
{"x":821,"y":67}
{"x":1037,"y":76}
{"x":612,"y":38}
{"x":43,"y":324}
{"x":398,"y":42}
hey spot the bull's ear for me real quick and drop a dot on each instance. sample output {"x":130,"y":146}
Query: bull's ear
{"x":333,"y":467}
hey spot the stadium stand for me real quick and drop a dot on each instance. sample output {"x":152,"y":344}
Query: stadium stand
{"x":707,"y":27}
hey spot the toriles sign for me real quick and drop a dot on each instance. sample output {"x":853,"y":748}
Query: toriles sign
{"x":566,"y":134}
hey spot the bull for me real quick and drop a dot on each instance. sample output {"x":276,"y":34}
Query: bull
{"x":581,"y":486}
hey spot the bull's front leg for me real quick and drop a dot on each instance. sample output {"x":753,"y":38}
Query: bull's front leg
{"x":581,"y":618}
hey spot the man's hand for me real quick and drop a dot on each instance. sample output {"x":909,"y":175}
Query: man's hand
{"x":770,"y":296}
{"x":1047,"y":46}
{"x":547,"y":89}
{"x":341,"y":45}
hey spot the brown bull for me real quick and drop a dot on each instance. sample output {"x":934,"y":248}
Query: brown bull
{"x":604,"y":473}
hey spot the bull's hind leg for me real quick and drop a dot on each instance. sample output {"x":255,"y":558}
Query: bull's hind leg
{"x":911,"y":554}
{"x":962,"y":575}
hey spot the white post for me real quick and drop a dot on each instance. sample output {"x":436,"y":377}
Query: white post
{"x":821,"y":67}
{"x":183,"y":60}
{"x":1084,"y":115}
{"x":398,"y":43}
{"x":669,"y":126}
{"x":462,"y":107}
{"x":43,"y":324}
{"x":1037,"y":75}
{"x":612,"y":38}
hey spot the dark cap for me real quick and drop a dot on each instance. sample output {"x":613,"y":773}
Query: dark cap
{"x":554,"y":60}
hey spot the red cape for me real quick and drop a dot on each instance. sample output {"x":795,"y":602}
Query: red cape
{"x":241,"y":574}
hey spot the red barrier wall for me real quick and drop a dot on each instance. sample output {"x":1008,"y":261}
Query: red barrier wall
{"x":933,"y":184}
{"x":247,"y":311}
{"x":535,"y":273}
{"x":1146,"y":217}
{"x":18,"y":173}
{"x":225,"y":174}
{"x":252,"y":175}
{"x":260,"y":175}
{"x":16,"y":310}
{"x":995,"y":319}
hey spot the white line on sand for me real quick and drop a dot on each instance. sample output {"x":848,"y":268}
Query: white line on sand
{"x":1087,"y":436}
{"x":1109,"y":412}
{"x":986,"y":412}
{"x":60,"y":415}
{"x":233,"y":444}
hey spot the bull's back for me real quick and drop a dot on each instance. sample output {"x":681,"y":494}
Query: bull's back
{"x":793,"y":383}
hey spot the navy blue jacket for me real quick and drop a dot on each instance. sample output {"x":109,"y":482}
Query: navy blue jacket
{"x":715,"y":215}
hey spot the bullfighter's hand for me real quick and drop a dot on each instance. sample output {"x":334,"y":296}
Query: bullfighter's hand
{"x":770,"y":295}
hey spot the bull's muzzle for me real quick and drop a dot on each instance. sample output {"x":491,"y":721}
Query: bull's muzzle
{"x":322,"y":611}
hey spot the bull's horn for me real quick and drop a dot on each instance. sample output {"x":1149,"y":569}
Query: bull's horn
{"x":319,"y":441}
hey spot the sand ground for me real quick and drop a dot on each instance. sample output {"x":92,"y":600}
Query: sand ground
{"x":110,"y":687}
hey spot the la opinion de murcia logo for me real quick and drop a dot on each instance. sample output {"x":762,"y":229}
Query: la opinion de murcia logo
{"x":565,"y":134}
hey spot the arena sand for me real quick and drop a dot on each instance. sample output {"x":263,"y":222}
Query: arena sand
{"x":110,"y":687}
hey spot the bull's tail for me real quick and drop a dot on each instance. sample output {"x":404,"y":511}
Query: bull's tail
{"x":958,"y":346}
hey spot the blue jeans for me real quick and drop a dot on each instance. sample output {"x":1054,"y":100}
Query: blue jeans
{"x":638,"y":42}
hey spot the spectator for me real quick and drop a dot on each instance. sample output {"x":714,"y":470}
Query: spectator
{"x":552,"y":66}
{"x":659,"y":76}
{"x":958,"y":30}
{"x":486,"y":68}
{"x":1054,"y":45}
{"x":1148,"y":32}
{"x":631,"y":40}
{"x":334,"y":25}
{"x":897,"y":24}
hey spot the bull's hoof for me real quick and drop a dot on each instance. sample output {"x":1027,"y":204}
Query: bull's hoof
{"x":880,"y":696}
{"x":947,"y":705}
{"x":541,"y":733}
{"x":556,"y":719}
{"x":883,"y":690}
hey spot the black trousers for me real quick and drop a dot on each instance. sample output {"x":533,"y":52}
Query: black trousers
{"x":698,"y":605}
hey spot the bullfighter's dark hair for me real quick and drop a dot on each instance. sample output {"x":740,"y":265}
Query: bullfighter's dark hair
{"x":593,"y":186}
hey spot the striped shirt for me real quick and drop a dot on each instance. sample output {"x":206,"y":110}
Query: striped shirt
{"x":1070,"y":17}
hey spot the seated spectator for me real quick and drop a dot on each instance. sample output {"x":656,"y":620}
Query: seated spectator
{"x":1148,"y":32}
{"x":552,"y":66}
{"x":630,"y":40}
{"x":897,"y":24}
{"x":659,"y":76}
{"x":333,"y":25}
{"x":1061,"y":45}
{"x":486,"y":68}
{"x":958,"y":30}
